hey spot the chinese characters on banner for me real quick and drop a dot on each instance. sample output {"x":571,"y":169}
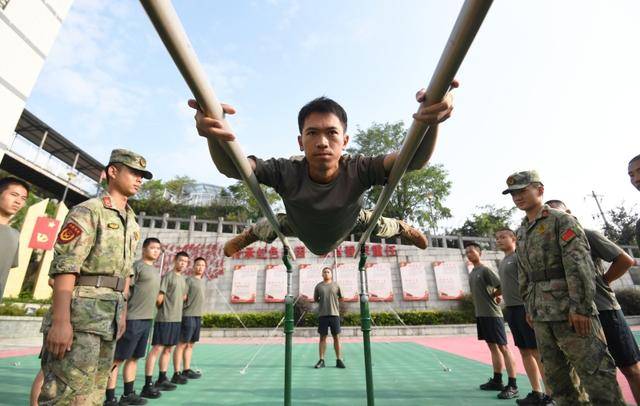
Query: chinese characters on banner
{"x":244,"y":284}
{"x":345,"y":250}
{"x":414,"y":281}
{"x":275,"y":284}
{"x":347,"y":277}
{"x":449,"y":279}
{"x":310,"y":276}
{"x":44,"y":233}
{"x":379,"y":277}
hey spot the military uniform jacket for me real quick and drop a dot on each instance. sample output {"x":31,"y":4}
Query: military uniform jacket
{"x":96,"y":239}
{"x":555,"y":243}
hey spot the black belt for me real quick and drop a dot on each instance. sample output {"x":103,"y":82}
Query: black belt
{"x":101,"y":281}
{"x":547,"y":274}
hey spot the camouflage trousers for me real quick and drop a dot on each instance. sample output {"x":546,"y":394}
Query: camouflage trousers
{"x":80,"y":378}
{"x":385,"y":228}
{"x":562,"y":350}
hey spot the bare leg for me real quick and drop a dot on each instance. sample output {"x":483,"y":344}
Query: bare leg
{"x":188,"y":351}
{"x":496,"y":358}
{"x":336,"y":346}
{"x":35,"y":388}
{"x":151,"y":359}
{"x":632,"y":373}
{"x":129,"y":370}
{"x":163,"y":365}
{"x":536,"y":354}
{"x":531,"y":368}
{"x":113,"y":376}
{"x":177,"y":357}
{"x":323,"y":346}
{"x":508,"y":360}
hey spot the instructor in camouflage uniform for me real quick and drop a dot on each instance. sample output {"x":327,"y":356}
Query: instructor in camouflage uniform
{"x":91,"y":267}
{"x":557,"y":283}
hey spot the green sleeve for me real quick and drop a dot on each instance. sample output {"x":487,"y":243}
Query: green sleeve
{"x":75,"y":241}
{"x":523,"y":283}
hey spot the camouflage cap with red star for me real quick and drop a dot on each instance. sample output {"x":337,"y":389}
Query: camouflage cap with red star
{"x":132,"y":160}
{"x":521,"y":180}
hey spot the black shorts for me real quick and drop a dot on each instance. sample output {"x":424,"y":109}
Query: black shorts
{"x":491,"y":330}
{"x":133,"y":343}
{"x":329,"y":321}
{"x":622,"y":345}
{"x":190,"y":329}
{"x":166,"y":333}
{"x":523,"y":334}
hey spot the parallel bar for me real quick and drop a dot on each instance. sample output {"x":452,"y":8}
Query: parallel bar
{"x":168,"y":25}
{"x":365,"y":323}
{"x":464,"y":31}
{"x":288,"y":330}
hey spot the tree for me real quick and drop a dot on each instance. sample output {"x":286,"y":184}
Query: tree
{"x":622,"y":225}
{"x":178,"y":184}
{"x":420,"y":194}
{"x":151,"y":190}
{"x":485,"y":223}
{"x":247,"y":204}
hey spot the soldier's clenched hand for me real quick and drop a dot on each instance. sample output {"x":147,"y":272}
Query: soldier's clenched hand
{"x":210,"y":127}
{"x":581,"y":324}
{"x":59,"y":339}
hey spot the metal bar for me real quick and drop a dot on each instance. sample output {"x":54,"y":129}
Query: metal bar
{"x":167,"y":23}
{"x":464,"y":31}
{"x":288,"y":329}
{"x":365,"y":324}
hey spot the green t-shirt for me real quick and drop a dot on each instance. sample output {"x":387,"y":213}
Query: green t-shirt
{"x":195,"y":297}
{"x":9,"y":237}
{"x":174,"y":289}
{"x":508,"y":270}
{"x":603,"y":250}
{"x":145,"y":285}
{"x":327,"y":296}
{"x":483,"y":282}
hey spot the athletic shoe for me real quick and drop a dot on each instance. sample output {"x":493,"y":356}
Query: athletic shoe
{"x":340,"y":364}
{"x":492,"y":385}
{"x":319,"y":364}
{"x":164,"y":385}
{"x":412,"y":235}
{"x":191,"y":374}
{"x":132,"y":399}
{"x":112,"y":402}
{"x":548,"y":401}
{"x":237,"y":243}
{"x":179,"y":379}
{"x":533,"y":398}
{"x":150,"y":392}
{"x":509,"y":392}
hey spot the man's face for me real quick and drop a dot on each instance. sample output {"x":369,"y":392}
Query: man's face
{"x":13,"y":199}
{"x":199,"y":267}
{"x":181,"y":263}
{"x":323,"y":139}
{"x":634,"y":173}
{"x":505,"y":240}
{"x":473,"y":254}
{"x":152,"y":251}
{"x":326,"y":274}
{"x":126,"y":180}
{"x":528,"y":197}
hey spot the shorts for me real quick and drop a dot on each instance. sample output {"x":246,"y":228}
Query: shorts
{"x":190,"y":329}
{"x":523,"y":334}
{"x":620,"y":341}
{"x":166,"y":333}
{"x":133,"y":343}
{"x":326,"y":322}
{"x":491,"y":330}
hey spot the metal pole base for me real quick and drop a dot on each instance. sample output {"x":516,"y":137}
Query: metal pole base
{"x":288,"y":331}
{"x":365,"y":323}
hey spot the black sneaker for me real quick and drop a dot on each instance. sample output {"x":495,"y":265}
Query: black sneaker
{"x":340,"y":364}
{"x":191,"y":374}
{"x":179,"y":379}
{"x":492,"y":385}
{"x":132,"y":399}
{"x":533,"y":398}
{"x":150,"y":392}
{"x":111,"y":402}
{"x":320,"y":364}
{"x":547,"y":401}
{"x":509,"y":392}
{"x":164,"y":385}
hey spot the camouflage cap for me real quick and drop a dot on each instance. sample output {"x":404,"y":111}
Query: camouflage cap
{"x":132,"y":160}
{"x":521,"y":180}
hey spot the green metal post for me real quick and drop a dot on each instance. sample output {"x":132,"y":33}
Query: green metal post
{"x":365,"y":322}
{"x":288,"y":329}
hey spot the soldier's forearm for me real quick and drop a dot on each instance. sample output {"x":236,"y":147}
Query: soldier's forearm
{"x":619,"y":267}
{"x":221,"y":160}
{"x":62,"y":291}
{"x":425,"y":149}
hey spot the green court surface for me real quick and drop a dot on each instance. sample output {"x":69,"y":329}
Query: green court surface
{"x":404,"y":374}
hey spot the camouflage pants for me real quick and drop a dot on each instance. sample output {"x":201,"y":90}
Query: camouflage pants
{"x":386,"y":227}
{"x":562,"y":348}
{"x":80,"y":378}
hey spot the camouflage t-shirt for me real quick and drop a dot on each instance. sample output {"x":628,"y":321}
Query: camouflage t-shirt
{"x":483,"y":282}
{"x":144,"y":287}
{"x":174,"y":289}
{"x":603,"y":250}
{"x":508,"y":270}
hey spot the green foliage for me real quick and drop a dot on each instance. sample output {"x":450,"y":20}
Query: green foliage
{"x":152,"y":190}
{"x":420,"y":194}
{"x":178,"y":184}
{"x":11,"y":310}
{"x":622,"y":223}
{"x":486,"y":222}
{"x":248,"y":208}
{"x":629,"y":299}
{"x":25,"y":298}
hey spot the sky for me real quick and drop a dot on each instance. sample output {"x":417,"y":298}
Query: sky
{"x":547,"y":85}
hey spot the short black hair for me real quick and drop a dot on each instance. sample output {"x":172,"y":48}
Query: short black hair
{"x":556,"y":202}
{"x":116,"y":165}
{"x":182,"y":254}
{"x":150,"y":240}
{"x":506,"y":229}
{"x":12,"y":180}
{"x":200,"y":259}
{"x":473,"y":244}
{"x":322,"y":105}
{"x":635,"y":158}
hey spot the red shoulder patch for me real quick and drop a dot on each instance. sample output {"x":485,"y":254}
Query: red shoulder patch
{"x":69,"y":233}
{"x":106,"y":201}
{"x":568,"y":235}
